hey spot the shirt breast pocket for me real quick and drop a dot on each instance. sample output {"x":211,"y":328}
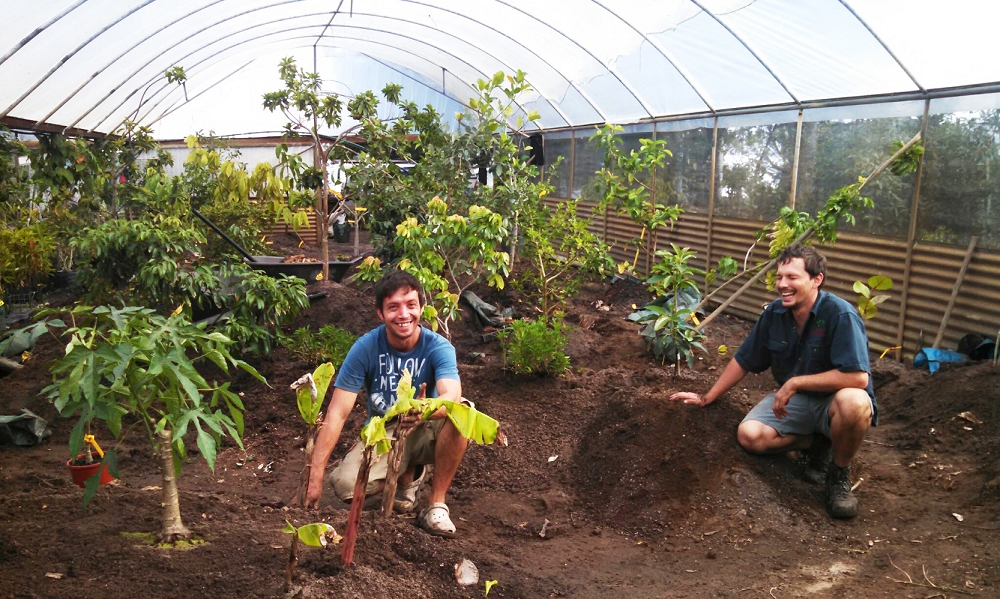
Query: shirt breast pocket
{"x":779,"y":348}
{"x":819,"y":355}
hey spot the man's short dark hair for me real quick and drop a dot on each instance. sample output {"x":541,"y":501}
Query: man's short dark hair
{"x":393,"y":281}
{"x":815,"y":262}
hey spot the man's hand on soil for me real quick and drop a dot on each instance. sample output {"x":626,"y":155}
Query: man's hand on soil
{"x":688,"y":397}
{"x":313,"y":494}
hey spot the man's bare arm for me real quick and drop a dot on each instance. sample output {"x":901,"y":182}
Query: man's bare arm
{"x":732,"y":374}
{"x":830,"y":381}
{"x":337,"y":412}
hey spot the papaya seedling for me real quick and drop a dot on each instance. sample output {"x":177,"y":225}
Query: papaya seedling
{"x":317,"y":534}
{"x":310,"y":390}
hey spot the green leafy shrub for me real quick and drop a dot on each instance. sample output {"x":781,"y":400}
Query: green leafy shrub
{"x":559,"y":253}
{"x":156,"y":262}
{"x":447,"y":254}
{"x":667,"y":330}
{"x":25,"y":256}
{"x":666,"y":321}
{"x":535,"y":346}
{"x":329,"y":344}
{"x":259,"y":304}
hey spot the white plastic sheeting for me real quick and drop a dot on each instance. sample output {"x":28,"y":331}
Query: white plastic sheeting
{"x":87,"y":65}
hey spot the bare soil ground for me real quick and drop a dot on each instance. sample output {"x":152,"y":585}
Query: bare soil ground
{"x":637,"y":496}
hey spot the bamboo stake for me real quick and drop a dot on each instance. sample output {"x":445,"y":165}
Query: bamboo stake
{"x":734,"y":278}
{"x":357,"y":504}
{"x":954,"y":292}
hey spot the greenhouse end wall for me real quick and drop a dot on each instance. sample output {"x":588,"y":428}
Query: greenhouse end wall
{"x":919,"y":232}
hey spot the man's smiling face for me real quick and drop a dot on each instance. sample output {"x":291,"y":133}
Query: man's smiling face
{"x":796,"y":288}
{"x":401,"y":314}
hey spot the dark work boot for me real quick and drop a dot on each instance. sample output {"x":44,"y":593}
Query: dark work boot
{"x":819,"y":455}
{"x":840,"y":501}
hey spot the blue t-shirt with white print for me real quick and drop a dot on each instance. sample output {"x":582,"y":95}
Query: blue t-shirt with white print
{"x":372,"y":364}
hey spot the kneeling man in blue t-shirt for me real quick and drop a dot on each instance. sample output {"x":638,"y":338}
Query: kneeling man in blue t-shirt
{"x":375,"y":363}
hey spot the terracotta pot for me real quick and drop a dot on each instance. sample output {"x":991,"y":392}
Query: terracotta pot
{"x":80,"y":474}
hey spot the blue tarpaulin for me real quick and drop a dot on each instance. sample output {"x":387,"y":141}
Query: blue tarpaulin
{"x":932,"y":358}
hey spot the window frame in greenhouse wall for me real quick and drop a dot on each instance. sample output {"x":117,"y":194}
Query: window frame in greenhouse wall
{"x":955,"y":194}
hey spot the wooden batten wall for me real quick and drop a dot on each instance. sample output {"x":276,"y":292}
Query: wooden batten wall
{"x":306,"y":233}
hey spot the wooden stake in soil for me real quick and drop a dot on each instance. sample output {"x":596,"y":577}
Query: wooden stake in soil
{"x":954,"y":292}
{"x":357,"y":504}
{"x":293,"y":558}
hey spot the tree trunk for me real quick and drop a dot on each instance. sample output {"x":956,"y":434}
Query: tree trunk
{"x":322,"y":201}
{"x":357,"y":504}
{"x":173,"y":527}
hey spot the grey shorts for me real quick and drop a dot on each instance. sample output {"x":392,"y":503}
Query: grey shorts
{"x":807,"y":414}
{"x":419,"y":450}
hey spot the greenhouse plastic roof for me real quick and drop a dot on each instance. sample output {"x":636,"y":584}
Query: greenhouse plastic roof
{"x":87,"y":65}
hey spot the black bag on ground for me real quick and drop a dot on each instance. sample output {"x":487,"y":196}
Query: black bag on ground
{"x":977,"y":346}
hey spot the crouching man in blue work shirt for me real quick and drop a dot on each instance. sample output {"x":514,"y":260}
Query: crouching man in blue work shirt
{"x":375,"y":363}
{"x":816,"y":347}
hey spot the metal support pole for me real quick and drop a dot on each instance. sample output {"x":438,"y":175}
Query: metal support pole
{"x":711,"y":196}
{"x":911,"y":239}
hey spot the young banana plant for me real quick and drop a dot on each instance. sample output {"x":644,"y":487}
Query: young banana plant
{"x":470,"y":423}
{"x":317,"y":534}
{"x":310,"y":391}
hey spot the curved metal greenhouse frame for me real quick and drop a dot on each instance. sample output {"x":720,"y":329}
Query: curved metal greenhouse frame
{"x":86,"y":65}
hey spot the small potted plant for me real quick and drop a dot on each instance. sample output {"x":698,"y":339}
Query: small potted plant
{"x":83,"y":467}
